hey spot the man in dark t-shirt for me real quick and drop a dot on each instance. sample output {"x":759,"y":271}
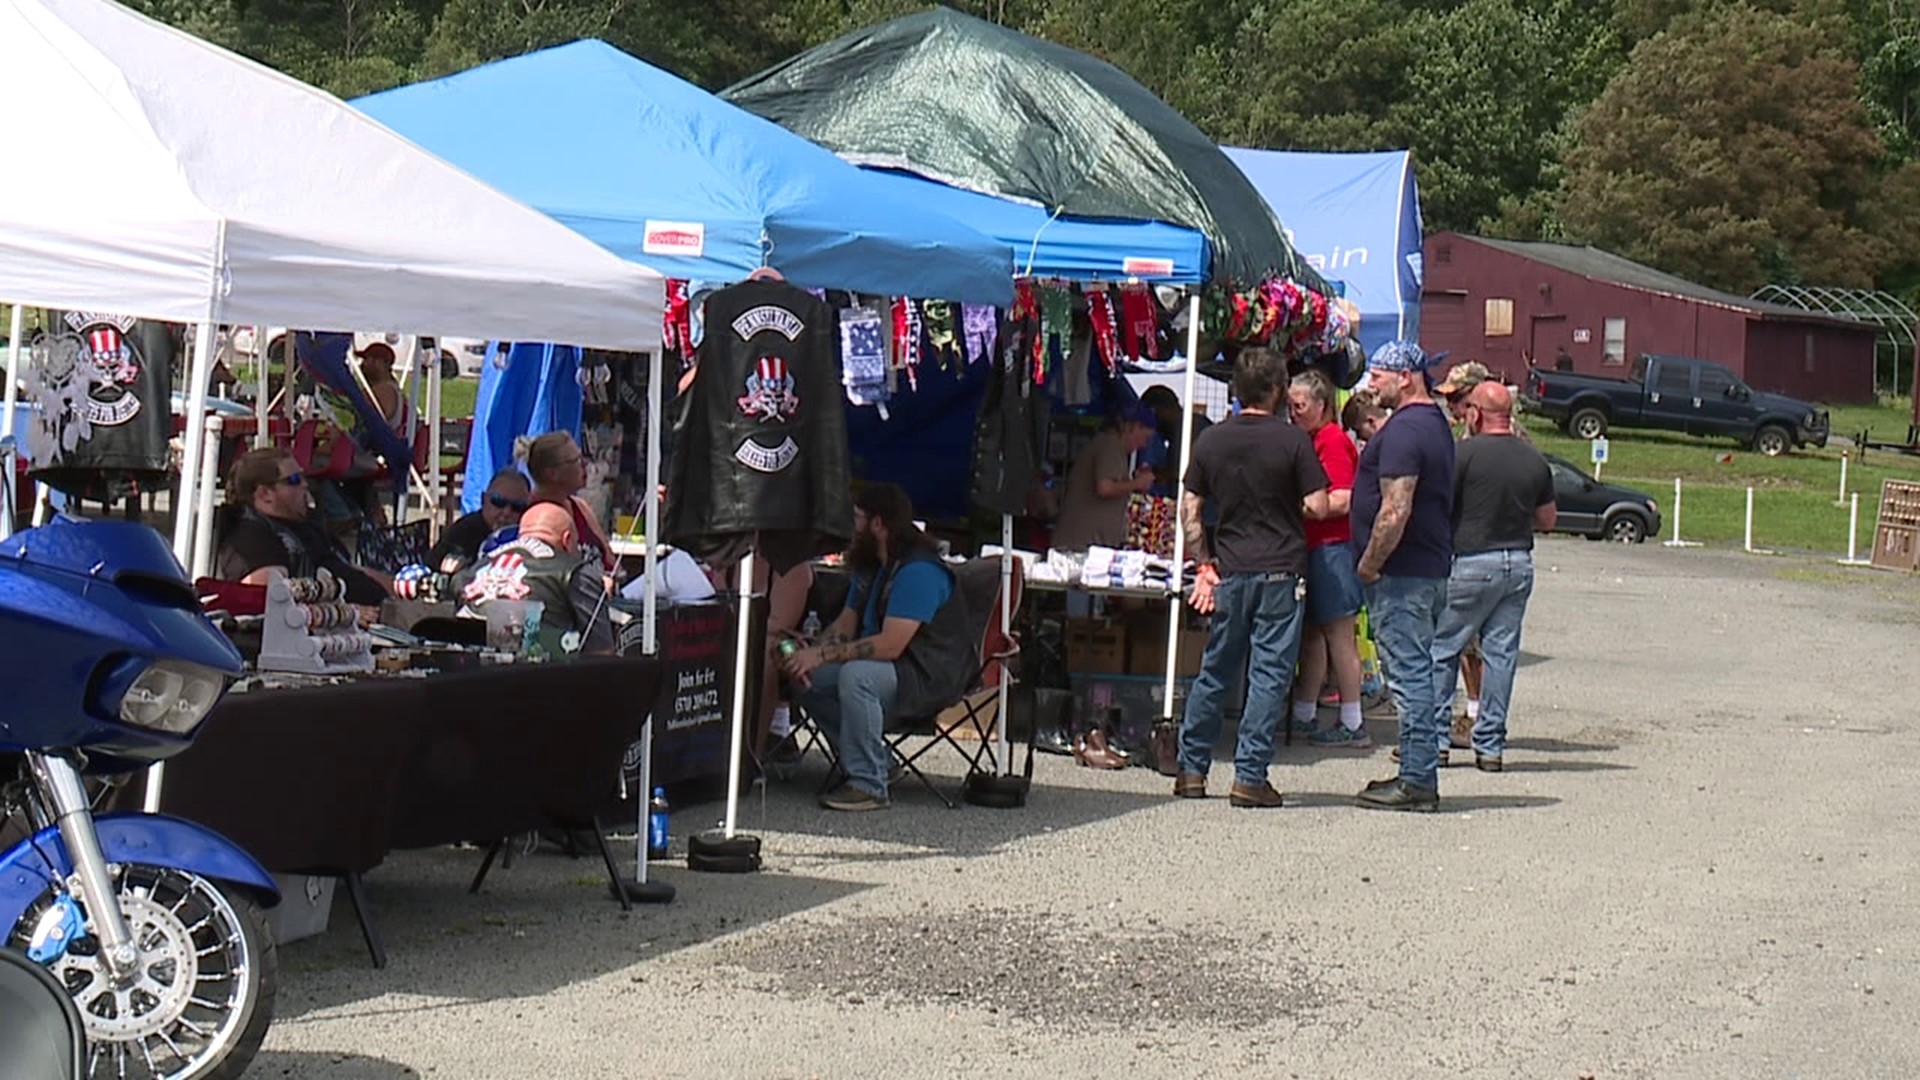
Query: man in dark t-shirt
{"x":508,"y":496}
{"x":1403,"y":530}
{"x":1503,"y":492}
{"x":1263,"y":475}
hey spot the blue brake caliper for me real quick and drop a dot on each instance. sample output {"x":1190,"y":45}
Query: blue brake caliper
{"x":57,"y":928}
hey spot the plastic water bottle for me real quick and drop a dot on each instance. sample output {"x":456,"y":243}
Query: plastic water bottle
{"x":811,"y":628}
{"x":659,"y":838}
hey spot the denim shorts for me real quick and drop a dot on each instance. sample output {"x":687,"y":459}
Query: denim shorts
{"x":1333,"y":584}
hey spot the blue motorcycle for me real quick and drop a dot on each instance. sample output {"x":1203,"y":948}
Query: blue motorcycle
{"x":152,"y":924}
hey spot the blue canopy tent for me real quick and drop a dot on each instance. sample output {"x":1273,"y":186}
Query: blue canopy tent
{"x":1047,"y":245}
{"x":531,"y":389}
{"x":1355,"y":218}
{"x":654,"y":168}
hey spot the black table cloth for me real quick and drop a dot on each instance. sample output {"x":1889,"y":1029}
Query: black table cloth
{"x":328,"y":780}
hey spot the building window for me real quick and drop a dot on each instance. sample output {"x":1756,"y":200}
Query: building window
{"x":1499,"y":318}
{"x":1809,"y":352}
{"x":1614,"y":343}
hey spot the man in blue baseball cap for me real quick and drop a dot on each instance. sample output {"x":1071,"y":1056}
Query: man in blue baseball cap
{"x":1403,"y":532}
{"x":1094,"y":510}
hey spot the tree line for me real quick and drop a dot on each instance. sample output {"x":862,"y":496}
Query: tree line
{"x":1735,"y":142}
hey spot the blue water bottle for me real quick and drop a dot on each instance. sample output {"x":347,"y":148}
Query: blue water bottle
{"x":659,"y":839}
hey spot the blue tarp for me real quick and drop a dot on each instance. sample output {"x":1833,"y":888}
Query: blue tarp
{"x":658,"y":170}
{"x":1070,"y":248}
{"x":325,"y":358}
{"x":1356,"y":219}
{"x":536,"y":391}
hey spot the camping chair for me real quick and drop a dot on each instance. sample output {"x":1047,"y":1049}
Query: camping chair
{"x":977,"y":583}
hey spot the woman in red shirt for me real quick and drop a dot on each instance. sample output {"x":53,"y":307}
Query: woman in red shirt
{"x":1334,"y":595}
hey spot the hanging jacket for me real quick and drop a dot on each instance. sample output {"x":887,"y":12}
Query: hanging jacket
{"x":763,"y":445}
{"x":1009,"y":439}
{"x":104,"y":387}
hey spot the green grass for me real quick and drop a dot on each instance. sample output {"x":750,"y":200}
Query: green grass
{"x":1888,"y":422}
{"x":456,"y":395}
{"x":1794,"y":494}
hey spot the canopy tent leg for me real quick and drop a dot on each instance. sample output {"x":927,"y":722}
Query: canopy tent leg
{"x":739,"y":692}
{"x":262,"y":388}
{"x":15,"y":326}
{"x":1000,"y":764}
{"x":649,"y":892}
{"x":200,"y":370}
{"x":1180,"y":530}
{"x":433,"y":449}
{"x":209,"y":479}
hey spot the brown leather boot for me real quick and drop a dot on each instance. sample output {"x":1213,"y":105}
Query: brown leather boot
{"x":1190,"y":785}
{"x":1093,"y":752}
{"x":1254,"y":796}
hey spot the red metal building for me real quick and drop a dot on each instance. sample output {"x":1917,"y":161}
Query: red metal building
{"x":1504,"y":302}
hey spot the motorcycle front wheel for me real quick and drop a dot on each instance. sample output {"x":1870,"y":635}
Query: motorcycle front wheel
{"x":201,"y":998}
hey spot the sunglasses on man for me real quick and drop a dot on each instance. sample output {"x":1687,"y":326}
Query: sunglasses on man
{"x":293,"y":479}
{"x":501,"y":502}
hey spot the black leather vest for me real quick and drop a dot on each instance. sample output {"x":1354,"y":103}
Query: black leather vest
{"x":763,"y":444}
{"x":942,"y":659}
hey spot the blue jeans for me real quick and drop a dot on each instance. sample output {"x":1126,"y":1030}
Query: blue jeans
{"x":1406,"y":616}
{"x":1486,"y":595}
{"x":849,"y":704}
{"x":1261,"y":612}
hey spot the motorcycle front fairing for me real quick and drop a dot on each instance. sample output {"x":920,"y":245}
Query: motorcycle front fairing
{"x":86,"y":607}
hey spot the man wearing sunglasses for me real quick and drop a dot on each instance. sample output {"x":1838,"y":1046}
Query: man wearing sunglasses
{"x":271,"y":534}
{"x":508,"y":496}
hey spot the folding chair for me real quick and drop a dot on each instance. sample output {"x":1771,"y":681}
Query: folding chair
{"x":977,"y":584}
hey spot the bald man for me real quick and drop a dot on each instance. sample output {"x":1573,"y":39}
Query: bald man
{"x":544,"y":563}
{"x":1502,"y":494}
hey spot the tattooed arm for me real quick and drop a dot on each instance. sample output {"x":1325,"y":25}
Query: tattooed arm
{"x":892,"y":640}
{"x":1191,"y":506}
{"x":1396,"y":508}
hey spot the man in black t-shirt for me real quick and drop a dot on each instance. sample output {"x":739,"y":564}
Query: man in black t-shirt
{"x":273,"y":536}
{"x":1503,"y":493}
{"x":1263,"y":474}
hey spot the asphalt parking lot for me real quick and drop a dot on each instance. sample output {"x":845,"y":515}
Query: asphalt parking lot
{"x":1698,"y":865}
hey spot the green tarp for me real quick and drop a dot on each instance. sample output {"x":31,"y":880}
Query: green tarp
{"x":981,"y":107}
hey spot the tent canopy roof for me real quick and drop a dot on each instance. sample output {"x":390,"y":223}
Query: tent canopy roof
{"x":1074,"y":248}
{"x":981,"y":107}
{"x":628,"y":154}
{"x":207,"y":188}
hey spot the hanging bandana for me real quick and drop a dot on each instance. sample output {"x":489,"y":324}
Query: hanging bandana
{"x":1056,"y":317}
{"x":863,"y":357}
{"x":1238,"y":317}
{"x":913,"y":344}
{"x":677,"y":328}
{"x":1137,"y":322}
{"x":1026,"y":310}
{"x":1105,"y":339}
{"x":941,"y":337}
{"x":898,"y":358}
{"x":981,"y":327}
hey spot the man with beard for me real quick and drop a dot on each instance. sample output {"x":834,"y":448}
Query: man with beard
{"x":1403,"y":529}
{"x":900,"y":648}
{"x":272,"y":535}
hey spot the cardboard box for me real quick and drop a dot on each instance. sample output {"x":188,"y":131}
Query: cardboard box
{"x":1147,"y":644}
{"x":1096,"y":647}
{"x":305,"y":903}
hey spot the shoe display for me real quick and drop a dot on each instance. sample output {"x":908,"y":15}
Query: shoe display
{"x":1093,"y":752}
{"x":851,"y":799}
{"x":1261,"y":796}
{"x":1053,"y":740}
{"x":1341,"y":737}
{"x":1398,"y":796}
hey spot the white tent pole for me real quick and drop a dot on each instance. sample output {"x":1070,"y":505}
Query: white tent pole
{"x":209,"y":479}
{"x":15,"y":325}
{"x":263,"y":387}
{"x":739,"y":689}
{"x":200,"y":369}
{"x":1006,"y":635}
{"x":433,"y":450}
{"x":1180,"y":529}
{"x":650,"y":603}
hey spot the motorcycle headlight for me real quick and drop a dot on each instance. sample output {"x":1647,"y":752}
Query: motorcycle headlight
{"x":171,"y":696}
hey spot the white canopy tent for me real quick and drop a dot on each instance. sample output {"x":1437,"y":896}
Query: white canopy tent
{"x":200,"y":187}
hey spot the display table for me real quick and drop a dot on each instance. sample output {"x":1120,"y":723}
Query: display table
{"x":328,"y":780}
